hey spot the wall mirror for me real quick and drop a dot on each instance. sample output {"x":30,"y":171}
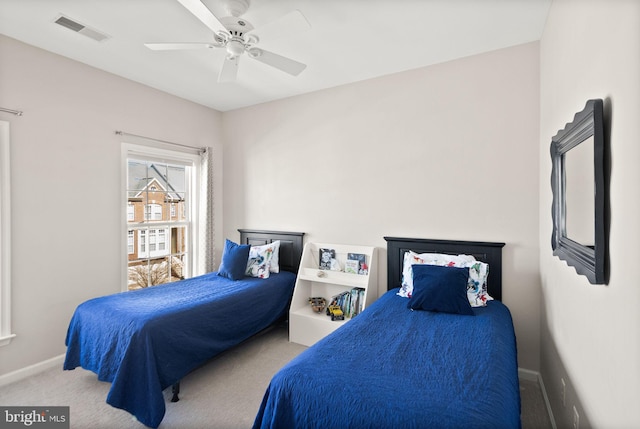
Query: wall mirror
{"x":578,"y":183}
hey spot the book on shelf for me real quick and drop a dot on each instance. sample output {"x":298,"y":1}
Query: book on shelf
{"x":351,"y":266}
{"x":363,"y":268}
{"x":327,"y":258}
{"x":351,"y":302}
{"x":354,"y":302}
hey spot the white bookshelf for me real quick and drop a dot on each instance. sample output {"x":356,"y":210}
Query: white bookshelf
{"x":306,"y":326}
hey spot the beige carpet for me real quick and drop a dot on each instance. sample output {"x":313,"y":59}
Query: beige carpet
{"x":223,"y":394}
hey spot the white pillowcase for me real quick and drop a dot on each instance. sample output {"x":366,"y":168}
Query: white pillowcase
{"x":478,"y":272}
{"x":274,"y":266}
{"x":442,"y":259}
{"x":263,"y":260}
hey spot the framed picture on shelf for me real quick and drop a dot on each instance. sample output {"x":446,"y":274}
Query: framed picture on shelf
{"x":351,"y":266}
{"x":327,"y":256}
{"x":363,"y":268}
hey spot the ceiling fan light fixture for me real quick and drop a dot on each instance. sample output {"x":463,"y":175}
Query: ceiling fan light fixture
{"x":235,"y":48}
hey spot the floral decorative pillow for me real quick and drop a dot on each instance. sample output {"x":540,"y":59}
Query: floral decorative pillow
{"x":478,"y":272}
{"x":274,"y":265}
{"x":477,"y":285}
{"x":259,"y":262}
{"x":441,"y":259}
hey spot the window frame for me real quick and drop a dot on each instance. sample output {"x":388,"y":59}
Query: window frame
{"x":177,"y":156}
{"x":5,"y":236}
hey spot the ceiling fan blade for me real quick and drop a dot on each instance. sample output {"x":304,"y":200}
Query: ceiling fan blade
{"x":293,"y":22}
{"x":229,"y":69}
{"x":200,"y":11}
{"x":285,"y":64}
{"x":177,"y":46}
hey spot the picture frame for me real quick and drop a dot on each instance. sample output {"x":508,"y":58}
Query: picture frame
{"x":351,"y":266}
{"x":363,"y":268}
{"x":326,"y":257}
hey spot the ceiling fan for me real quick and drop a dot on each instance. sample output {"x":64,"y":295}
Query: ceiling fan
{"x":234,"y":34}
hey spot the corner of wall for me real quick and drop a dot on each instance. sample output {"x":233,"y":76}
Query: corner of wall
{"x":559,"y":390}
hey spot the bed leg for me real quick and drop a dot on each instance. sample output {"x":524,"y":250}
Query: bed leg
{"x":175,"y":389}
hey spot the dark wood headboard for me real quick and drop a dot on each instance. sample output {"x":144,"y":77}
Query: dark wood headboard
{"x":488,"y":252}
{"x":290,"y":245}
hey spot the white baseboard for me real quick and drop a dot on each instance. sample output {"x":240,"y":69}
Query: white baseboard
{"x":31,"y":370}
{"x":529,"y":375}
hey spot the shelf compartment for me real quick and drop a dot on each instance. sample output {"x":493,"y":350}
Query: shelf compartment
{"x":306,"y":326}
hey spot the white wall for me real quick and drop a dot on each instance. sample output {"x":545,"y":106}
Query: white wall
{"x":448,"y":151}
{"x":591,"y":333}
{"x":66,"y":190}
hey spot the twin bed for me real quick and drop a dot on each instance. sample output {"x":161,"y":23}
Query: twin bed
{"x":391,"y":367}
{"x":388,"y":367}
{"x":145,"y":341}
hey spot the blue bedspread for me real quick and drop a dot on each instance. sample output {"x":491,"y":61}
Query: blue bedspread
{"x":391,"y":367}
{"x":146,"y":340}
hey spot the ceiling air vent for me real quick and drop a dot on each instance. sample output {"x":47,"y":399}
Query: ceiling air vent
{"x":80,"y":28}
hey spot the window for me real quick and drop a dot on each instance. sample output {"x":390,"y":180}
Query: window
{"x":153,"y":242}
{"x":130,"y":241}
{"x":161,"y":201}
{"x":153,"y":212}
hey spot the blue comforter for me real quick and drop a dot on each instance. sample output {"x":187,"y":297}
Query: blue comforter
{"x":391,"y":367}
{"x":146,"y":340}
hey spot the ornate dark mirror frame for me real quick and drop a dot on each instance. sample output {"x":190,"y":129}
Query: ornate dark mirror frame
{"x":588,"y":260}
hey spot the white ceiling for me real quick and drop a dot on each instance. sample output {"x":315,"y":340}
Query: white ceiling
{"x":349,"y":40}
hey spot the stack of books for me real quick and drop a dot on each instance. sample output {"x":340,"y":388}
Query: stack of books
{"x":351,"y":302}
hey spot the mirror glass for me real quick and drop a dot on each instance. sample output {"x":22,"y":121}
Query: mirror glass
{"x":580,"y":193}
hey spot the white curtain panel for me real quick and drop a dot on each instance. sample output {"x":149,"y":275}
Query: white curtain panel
{"x":206,"y":231}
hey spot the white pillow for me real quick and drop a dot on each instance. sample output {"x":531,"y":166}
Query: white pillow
{"x":274,"y":267}
{"x":261,"y":260}
{"x":478,"y":272}
{"x":411,"y":258}
{"x":477,"y":286}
